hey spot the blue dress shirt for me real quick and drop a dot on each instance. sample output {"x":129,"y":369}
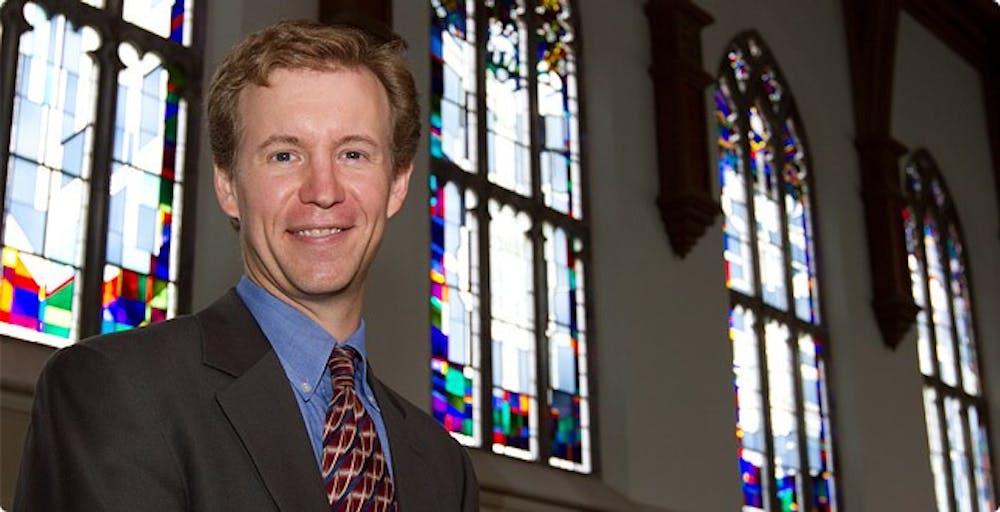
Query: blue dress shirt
{"x":303,"y":347}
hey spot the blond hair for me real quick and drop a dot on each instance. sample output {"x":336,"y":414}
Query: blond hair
{"x":310,"y":45}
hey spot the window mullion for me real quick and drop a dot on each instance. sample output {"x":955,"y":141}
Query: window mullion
{"x":483,"y":218}
{"x":100,"y":184}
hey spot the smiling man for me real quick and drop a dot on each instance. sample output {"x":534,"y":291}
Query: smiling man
{"x":265,"y":400}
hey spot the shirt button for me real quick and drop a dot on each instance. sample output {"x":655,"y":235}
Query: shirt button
{"x":306,"y":387}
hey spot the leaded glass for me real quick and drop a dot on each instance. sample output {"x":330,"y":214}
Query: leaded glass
{"x":981,"y":461}
{"x":507,"y":233}
{"x":48,"y":179}
{"x":750,"y":429}
{"x":940,"y":316}
{"x":455,"y":299}
{"x":736,"y":232}
{"x":453,"y":84}
{"x":515,"y":414}
{"x":569,"y":405}
{"x":507,"y":114}
{"x":557,"y":106}
{"x":170,"y":19}
{"x":800,"y":226}
{"x":767,"y":213}
{"x":779,"y":358}
{"x":956,"y":435}
{"x":145,"y":195}
{"x":816,"y":410}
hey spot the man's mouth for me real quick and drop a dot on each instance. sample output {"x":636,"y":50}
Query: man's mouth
{"x":316,"y":232}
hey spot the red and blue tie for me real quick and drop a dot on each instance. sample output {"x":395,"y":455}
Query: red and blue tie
{"x":355,"y":472}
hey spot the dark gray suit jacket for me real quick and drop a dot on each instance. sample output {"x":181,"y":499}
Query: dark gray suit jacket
{"x":197,"y":414}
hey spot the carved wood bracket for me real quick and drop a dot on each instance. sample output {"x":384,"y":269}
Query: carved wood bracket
{"x":686,"y":201}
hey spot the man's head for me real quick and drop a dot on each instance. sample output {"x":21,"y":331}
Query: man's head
{"x":313,"y":130}
{"x":308,"y":45}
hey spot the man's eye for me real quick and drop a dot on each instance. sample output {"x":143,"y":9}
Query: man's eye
{"x":353,"y":155}
{"x":282,"y":156}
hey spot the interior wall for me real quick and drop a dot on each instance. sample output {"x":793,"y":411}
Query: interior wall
{"x":938,"y":105}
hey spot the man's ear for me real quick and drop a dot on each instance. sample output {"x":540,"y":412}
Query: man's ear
{"x":398,"y":189}
{"x":225,"y":191}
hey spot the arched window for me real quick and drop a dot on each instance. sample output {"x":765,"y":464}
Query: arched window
{"x":509,"y":237}
{"x":93,"y":147}
{"x":778,"y":340}
{"x":954,"y":405}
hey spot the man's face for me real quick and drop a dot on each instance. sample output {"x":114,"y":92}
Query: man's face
{"x":313,"y":183}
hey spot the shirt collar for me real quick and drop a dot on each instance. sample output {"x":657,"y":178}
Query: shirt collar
{"x":302,"y":346}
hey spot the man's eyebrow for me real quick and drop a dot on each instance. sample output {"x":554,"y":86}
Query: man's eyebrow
{"x":347,"y":139}
{"x":278,"y":139}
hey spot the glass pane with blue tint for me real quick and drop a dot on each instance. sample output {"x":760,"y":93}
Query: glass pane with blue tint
{"x":915,"y":262}
{"x":567,"y":338}
{"x":981,"y":461}
{"x":455,"y":330}
{"x":940,"y":314}
{"x":558,"y":109}
{"x":798,"y":211}
{"x":145,"y":194}
{"x":453,"y":133}
{"x":957,"y":455}
{"x":515,"y":413}
{"x":767,"y":212}
{"x":170,"y":19}
{"x":750,"y":432}
{"x":739,"y":67}
{"x":938,"y":468}
{"x":507,"y":118}
{"x":962,"y":314}
{"x":47,"y":180}
{"x":816,"y":412}
{"x":784,"y":417}
{"x":736,"y":230}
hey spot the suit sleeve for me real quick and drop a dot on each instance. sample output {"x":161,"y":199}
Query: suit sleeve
{"x":94,"y":442}
{"x":470,"y":498}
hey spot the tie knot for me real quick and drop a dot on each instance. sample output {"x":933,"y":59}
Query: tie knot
{"x":341,"y":365}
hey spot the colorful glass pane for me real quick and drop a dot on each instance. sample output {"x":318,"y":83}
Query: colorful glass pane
{"x":936,"y":449}
{"x":736,"y":231}
{"x":767,"y":213}
{"x":513,"y":338}
{"x":961,"y":481}
{"x":940,"y":315}
{"x":816,"y":412}
{"x":739,"y":67}
{"x":507,"y":118}
{"x":981,"y":461}
{"x":558,"y":109}
{"x":962,"y":315}
{"x":915,"y":260}
{"x":171,"y":19}
{"x":569,"y":407}
{"x":749,"y":409}
{"x":47,"y":178}
{"x":145,"y":193}
{"x":453,"y":133}
{"x":800,"y":229}
{"x":455,"y":331}
{"x":772,"y":87}
{"x":783,"y":415}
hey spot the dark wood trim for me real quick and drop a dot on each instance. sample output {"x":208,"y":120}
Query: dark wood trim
{"x":374,"y":15}
{"x":871,"y":43}
{"x":687,"y":202}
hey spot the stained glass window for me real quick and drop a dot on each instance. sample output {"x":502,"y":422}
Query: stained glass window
{"x":783,"y":425}
{"x":508,"y":233}
{"x":947,"y":348}
{"x":93,"y":195}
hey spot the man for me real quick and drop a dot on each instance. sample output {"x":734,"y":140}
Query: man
{"x":264,"y":401}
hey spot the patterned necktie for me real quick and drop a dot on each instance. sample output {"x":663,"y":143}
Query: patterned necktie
{"x":354,"y":470}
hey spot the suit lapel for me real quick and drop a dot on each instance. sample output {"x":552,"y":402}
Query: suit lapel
{"x":410,"y":476}
{"x":261,"y":407}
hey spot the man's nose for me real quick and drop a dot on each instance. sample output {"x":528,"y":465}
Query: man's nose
{"x":322,"y":185}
